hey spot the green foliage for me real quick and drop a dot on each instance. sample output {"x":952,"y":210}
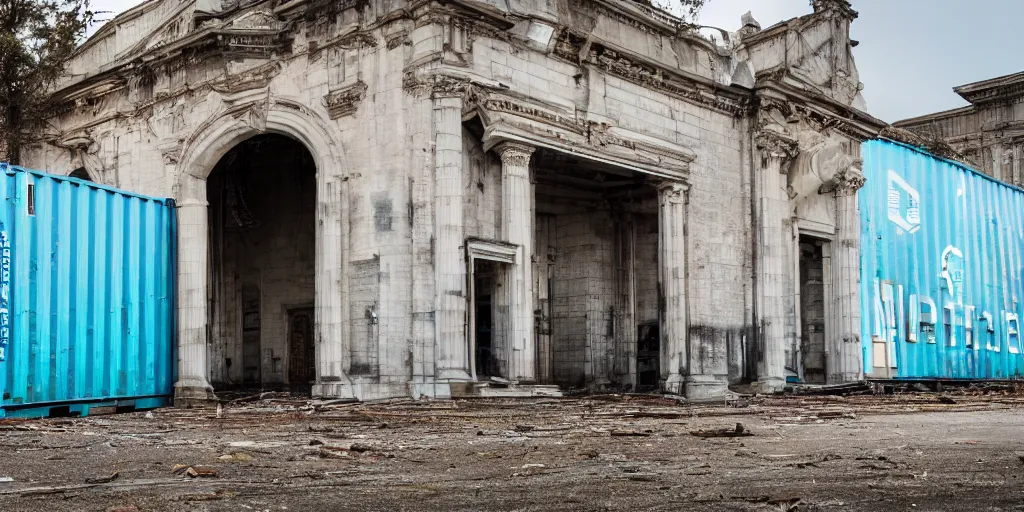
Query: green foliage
{"x":37,"y":37}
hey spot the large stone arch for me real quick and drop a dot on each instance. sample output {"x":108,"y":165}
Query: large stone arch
{"x":202,"y":150}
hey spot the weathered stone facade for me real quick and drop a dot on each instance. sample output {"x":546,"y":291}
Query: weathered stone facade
{"x":988,"y":134}
{"x":582,"y":193}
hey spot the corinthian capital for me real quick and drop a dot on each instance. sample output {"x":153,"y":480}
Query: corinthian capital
{"x":776,"y":146}
{"x":514,"y":154}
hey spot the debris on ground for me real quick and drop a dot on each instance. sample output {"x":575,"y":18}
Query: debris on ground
{"x":613,"y":451}
{"x":737,"y":431}
{"x":103,"y":479}
{"x":194,"y":471}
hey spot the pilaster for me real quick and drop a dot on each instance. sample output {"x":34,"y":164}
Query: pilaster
{"x":672,"y":283}
{"x":449,"y":236}
{"x":193,"y":265}
{"x":332,"y":349}
{"x":843,"y":360}
{"x":777,"y":151}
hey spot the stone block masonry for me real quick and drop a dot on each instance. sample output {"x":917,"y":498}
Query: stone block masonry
{"x":617,"y":174}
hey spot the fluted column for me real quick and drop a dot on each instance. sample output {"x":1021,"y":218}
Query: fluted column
{"x":332,"y":353}
{"x":772,"y":269}
{"x":449,"y":237}
{"x":193,"y":318}
{"x":843,"y":360}
{"x":672,"y":284}
{"x":517,"y":222}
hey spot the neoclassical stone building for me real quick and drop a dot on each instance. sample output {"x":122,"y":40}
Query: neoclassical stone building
{"x":988,"y":134}
{"x":424,"y":197}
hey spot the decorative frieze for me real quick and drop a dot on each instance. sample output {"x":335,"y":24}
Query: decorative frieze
{"x":662,"y":80}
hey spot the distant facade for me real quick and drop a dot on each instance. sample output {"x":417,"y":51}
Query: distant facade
{"x":989,"y":133}
{"x":408,"y":197}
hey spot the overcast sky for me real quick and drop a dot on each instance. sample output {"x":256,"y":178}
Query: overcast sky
{"x":911,"y":54}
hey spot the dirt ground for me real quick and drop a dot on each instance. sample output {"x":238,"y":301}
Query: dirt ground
{"x":922,"y":451}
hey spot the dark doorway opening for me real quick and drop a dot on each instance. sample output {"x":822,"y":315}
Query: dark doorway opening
{"x":485,"y":281}
{"x":262,"y":217}
{"x":648,"y":357}
{"x":301,"y":357}
{"x":812,"y":310}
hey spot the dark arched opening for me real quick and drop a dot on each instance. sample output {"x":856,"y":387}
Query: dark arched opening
{"x":262,"y":197}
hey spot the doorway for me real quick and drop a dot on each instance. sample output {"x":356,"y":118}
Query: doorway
{"x":301,"y":357}
{"x":485,"y":282}
{"x":262,"y":241}
{"x":812,"y":309}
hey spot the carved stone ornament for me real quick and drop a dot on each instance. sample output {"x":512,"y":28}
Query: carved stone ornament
{"x":436,"y":86}
{"x":345,"y":102}
{"x":254,"y":115}
{"x":847,"y":181}
{"x":256,"y":20}
{"x":775,"y":145}
{"x":673,"y":192}
{"x":515,"y":155}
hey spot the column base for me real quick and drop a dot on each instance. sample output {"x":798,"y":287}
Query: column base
{"x":768,"y":385}
{"x":705,"y":387}
{"x":454,"y":374}
{"x":334,"y":389}
{"x":674,"y":384}
{"x":194,"y":395}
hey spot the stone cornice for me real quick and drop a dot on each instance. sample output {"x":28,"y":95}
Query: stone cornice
{"x":820,"y":111}
{"x":677,"y":83}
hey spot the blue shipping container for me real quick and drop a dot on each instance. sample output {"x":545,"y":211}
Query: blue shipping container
{"x":942,"y":258}
{"x":86,"y":296}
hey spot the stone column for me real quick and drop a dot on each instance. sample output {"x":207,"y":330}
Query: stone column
{"x":843,"y":359}
{"x":449,"y":239}
{"x":672,"y":284}
{"x":773,"y":210}
{"x":332,"y":349}
{"x":193,"y":263}
{"x":517,"y":227}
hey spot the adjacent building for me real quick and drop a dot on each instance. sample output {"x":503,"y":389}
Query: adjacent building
{"x":421,"y":198}
{"x":988,"y":134}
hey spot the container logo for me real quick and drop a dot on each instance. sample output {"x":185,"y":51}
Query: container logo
{"x":5,"y":292}
{"x":904,"y":204}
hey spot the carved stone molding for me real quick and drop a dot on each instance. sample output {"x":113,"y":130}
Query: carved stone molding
{"x":253,"y":114}
{"x":776,"y":146}
{"x":515,"y":155}
{"x":672,"y":191}
{"x":171,"y":152}
{"x":662,"y":80}
{"x":436,"y":86}
{"x":257,"y":78}
{"x":846,"y":182}
{"x":260,"y":19}
{"x":345,"y":102}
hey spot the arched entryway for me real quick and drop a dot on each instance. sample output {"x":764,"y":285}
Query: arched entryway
{"x":262,"y":242}
{"x":202,"y":152}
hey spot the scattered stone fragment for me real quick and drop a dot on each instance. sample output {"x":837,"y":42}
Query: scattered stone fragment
{"x":200,"y":472}
{"x":103,"y":479}
{"x":738,"y":431}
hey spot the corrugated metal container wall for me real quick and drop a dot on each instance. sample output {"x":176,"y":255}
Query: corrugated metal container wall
{"x":86,"y":295}
{"x":941,"y":268}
